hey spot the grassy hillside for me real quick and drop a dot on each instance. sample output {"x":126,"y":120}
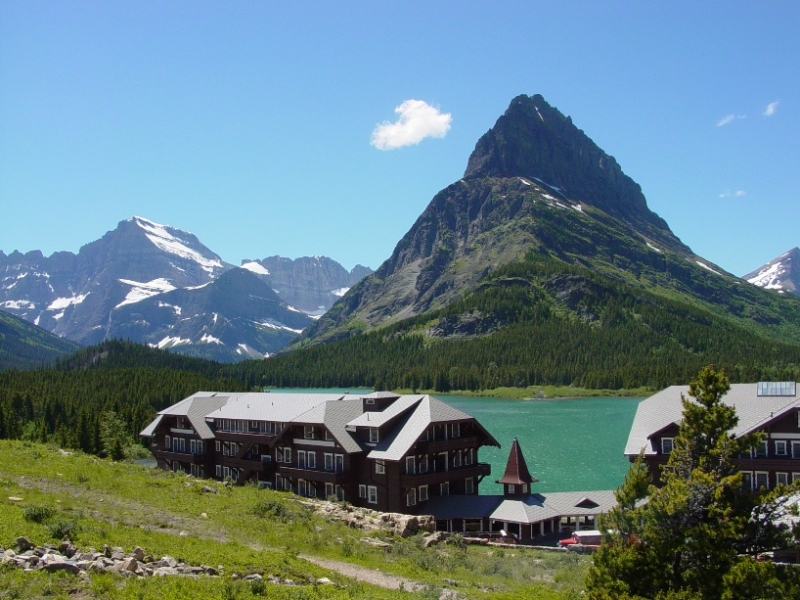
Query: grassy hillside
{"x":245,"y":530}
{"x":25,"y":346}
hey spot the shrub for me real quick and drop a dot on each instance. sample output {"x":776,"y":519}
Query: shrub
{"x":38,"y":513}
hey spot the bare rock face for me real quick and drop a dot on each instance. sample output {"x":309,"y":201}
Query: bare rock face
{"x":373,"y":520}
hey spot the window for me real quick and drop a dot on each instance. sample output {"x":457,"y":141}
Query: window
{"x":782,"y":478}
{"x":423,"y":493}
{"x":226,"y":472}
{"x":795,"y":449}
{"x":328,"y":464}
{"x":374,"y":435}
{"x":312,"y":460}
{"x":328,"y":435}
{"x":180,"y":423}
{"x":168,"y":441}
{"x":278,"y":458}
{"x":372,"y":494}
{"x":780,"y":447}
{"x":775,"y":388}
{"x":380,"y":467}
{"x":328,"y":490}
{"x":370,"y":401}
{"x":795,"y":477}
{"x":759,"y":451}
{"x":301,"y":459}
{"x":340,"y":496}
{"x":468,"y":456}
{"x":411,"y":465}
{"x":524,"y":488}
{"x":338,"y":463}
{"x":457,"y":458}
{"x":511,"y":488}
{"x":218,"y":446}
{"x":254,"y":449}
{"x":196,"y":470}
{"x":196,"y":446}
{"x":444,"y":488}
{"x":253,"y":424}
{"x":308,"y":432}
{"x":747,"y":480}
{"x":762,"y":480}
{"x":362,"y":490}
{"x":287,"y":455}
{"x":219,"y":471}
{"x":667,"y":444}
{"x":423,"y":463}
{"x":455,"y":430}
{"x":411,"y":497}
{"x":301,"y":487}
{"x":469,"y":485}
{"x":178,"y":444}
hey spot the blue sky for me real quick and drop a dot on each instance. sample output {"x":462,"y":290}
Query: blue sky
{"x":252,"y":124}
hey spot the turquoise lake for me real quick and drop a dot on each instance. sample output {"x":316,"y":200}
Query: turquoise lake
{"x":569,"y":444}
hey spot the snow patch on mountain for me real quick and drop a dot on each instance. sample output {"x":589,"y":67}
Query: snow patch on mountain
{"x":170,"y":342}
{"x":164,"y":240}
{"x":140,"y":291}
{"x":210,"y":339}
{"x":771,"y":277}
{"x":255,"y":267}
{"x":62,"y":303}
{"x":705,"y":266}
{"x":649,"y":245}
{"x":340,"y":292}
{"x":177,"y":309}
{"x":19,"y":304}
{"x":271,"y":324}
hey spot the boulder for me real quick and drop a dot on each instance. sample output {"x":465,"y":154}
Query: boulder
{"x":24,"y":544}
{"x":69,"y":567}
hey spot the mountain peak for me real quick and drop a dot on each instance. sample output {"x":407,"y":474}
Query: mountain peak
{"x":535,"y":140}
{"x":782,"y":273}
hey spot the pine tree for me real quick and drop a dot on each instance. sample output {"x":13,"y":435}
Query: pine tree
{"x":691,"y":537}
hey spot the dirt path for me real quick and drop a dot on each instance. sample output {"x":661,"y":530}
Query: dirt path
{"x":364,"y":574}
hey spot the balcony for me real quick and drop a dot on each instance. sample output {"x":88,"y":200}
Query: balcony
{"x":246,"y":437}
{"x":248,"y":461}
{"x":312,"y":474}
{"x":432,"y":478}
{"x":184,"y":457}
{"x":446,"y":445}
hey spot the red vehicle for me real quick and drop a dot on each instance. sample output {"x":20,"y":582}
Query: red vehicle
{"x":589,"y":537}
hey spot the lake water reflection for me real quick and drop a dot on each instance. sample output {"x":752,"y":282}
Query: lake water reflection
{"x":569,"y":444}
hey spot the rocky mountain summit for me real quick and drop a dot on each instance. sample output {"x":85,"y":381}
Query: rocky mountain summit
{"x":534,"y":183}
{"x":159,"y":285}
{"x":781,"y":273}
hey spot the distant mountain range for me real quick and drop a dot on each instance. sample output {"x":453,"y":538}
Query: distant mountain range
{"x":781,"y":274}
{"x":159,"y":285}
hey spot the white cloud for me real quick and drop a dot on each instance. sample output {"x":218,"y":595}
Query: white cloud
{"x":417,"y":120}
{"x":771,"y":108}
{"x":727,"y":119}
{"x":737,"y":194}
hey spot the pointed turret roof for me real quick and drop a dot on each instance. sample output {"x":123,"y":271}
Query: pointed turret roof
{"x":516,"y":470}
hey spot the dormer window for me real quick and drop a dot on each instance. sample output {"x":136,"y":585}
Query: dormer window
{"x":370,"y":401}
{"x":667,"y":445}
{"x":511,"y":488}
{"x":308,"y":432}
{"x":374,"y":435}
{"x":180,"y":423}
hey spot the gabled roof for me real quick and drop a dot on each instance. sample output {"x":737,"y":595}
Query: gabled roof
{"x":664,"y":408}
{"x":516,"y":470}
{"x":335,"y":416}
{"x":379,"y":418}
{"x":427,"y":411}
{"x":195,"y":408}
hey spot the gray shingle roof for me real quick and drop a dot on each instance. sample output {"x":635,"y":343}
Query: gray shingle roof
{"x":195,"y":408}
{"x":279,"y":408}
{"x":378,"y":418}
{"x":526,"y":510}
{"x":335,"y":416}
{"x":408,"y":430}
{"x":664,"y":408}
